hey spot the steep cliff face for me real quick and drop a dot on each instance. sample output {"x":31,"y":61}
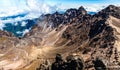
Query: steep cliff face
{"x":75,"y":32}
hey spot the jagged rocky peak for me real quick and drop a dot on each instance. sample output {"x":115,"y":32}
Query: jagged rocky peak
{"x":110,"y":10}
{"x":82,"y":10}
{"x":69,"y":16}
{"x":76,"y":12}
{"x":71,"y":12}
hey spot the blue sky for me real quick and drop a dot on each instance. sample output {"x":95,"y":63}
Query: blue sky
{"x":83,"y":2}
{"x":65,"y":3}
{"x":9,"y":3}
{"x":94,"y":5}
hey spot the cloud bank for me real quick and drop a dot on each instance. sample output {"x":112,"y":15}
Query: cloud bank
{"x":15,"y":15}
{"x":13,"y":7}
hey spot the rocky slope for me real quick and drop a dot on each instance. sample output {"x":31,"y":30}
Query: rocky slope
{"x":91,"y":37}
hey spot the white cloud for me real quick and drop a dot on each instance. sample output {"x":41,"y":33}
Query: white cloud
{"x":1,"y":25}
{"x":15,"y":23}
{"x":34,"y":8}
{"x":19,"y":32}
{"x":97,"y":7}
{"x":14,"y":7}
{"x":23,"y":24}
{"x":25,"y":31}
{"x":94,"y":7}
